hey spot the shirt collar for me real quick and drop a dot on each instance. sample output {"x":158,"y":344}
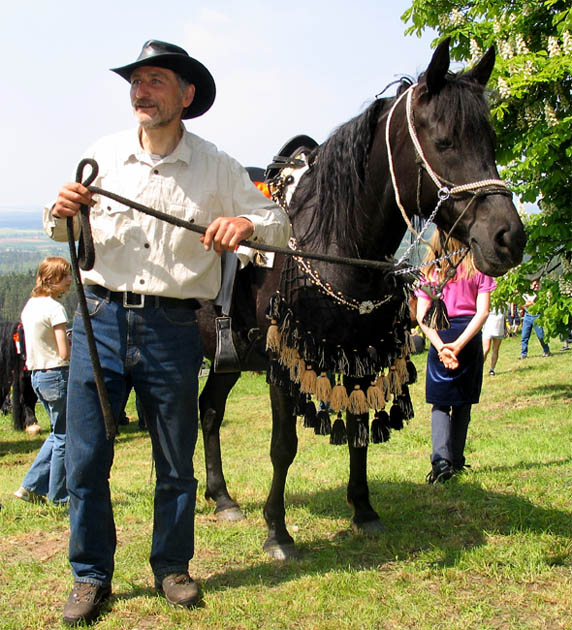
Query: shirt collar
{"x":182,"y":151}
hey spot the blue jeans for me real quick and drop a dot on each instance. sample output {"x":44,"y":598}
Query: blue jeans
{"x":159,"y":351}
{"x":528,"y":324}
{"x":47,"y":475}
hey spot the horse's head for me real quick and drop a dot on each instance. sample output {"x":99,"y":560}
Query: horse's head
{"x":450,"y":116}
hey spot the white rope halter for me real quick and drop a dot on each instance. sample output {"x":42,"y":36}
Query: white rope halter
{"x":443,"y":191}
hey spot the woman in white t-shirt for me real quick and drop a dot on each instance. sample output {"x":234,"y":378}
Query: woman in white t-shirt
{"x":47,"y":357}
{"x":494,"y":332}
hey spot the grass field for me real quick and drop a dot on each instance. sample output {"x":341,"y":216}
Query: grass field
{"x":491,"y":549}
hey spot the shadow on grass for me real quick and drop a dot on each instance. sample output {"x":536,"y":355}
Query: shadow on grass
{"x":446,"y":520}
{"x":558,"y":391}
{"x":28,"y":444}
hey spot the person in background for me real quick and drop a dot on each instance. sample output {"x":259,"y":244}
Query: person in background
{"x":455,"y":357}
{"x":494,"y":331}
{"x":142,"y":293}
{"x":513,"y":318}
{"x":44,"y":319}
{"x":529,"y":323}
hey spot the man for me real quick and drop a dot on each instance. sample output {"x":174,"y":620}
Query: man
{"x":529,"y":322}
{"x":142,"y":294}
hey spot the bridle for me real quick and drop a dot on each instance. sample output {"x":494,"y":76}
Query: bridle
{"x":445,"y":189}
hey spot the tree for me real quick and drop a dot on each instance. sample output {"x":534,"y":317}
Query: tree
{"x":532,"y":115}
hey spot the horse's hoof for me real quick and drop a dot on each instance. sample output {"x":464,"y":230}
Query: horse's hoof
{"x":369,"y":528}
{"x":282,"y":552}
{"x":230,"y":515}
{"x":33,"y":429}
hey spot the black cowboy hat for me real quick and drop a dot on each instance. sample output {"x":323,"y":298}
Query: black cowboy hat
{"x":164,"y":55}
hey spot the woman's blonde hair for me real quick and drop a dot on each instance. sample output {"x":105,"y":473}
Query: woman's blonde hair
{"x":441,"y":245}
{"x":51,"y":272}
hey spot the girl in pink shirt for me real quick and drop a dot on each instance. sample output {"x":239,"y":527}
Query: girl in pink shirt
{"x":455,"y":359}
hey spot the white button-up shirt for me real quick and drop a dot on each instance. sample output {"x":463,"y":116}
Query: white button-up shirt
{"x":196,"y":182}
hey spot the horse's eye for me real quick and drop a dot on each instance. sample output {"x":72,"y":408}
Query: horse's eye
{"x":442,"y":144}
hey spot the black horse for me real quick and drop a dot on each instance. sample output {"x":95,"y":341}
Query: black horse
{"x":363,"y":185}
{"x":15,"y":381}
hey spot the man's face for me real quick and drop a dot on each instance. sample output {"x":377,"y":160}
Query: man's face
{"x":156,"y":96}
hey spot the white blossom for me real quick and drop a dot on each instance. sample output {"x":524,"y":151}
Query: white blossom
{"x":553,"y":47}
{"x":567,"y":42}
{"x":497,"y":27}
{"x":521,"y":47}
{"x":530,"y":114}
{"x":505,"y":49}
{"x":504,"y":90}
{"x":444,"y":20}
{"x":529,"y":69}
{"x":457,"y":18}
{"x":550,"y":115}
{"x":475,"y":49}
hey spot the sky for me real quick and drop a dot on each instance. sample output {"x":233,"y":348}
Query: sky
{"x":281,"y":69}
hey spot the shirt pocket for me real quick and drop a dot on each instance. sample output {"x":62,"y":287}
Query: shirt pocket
{"x":193,"y":212}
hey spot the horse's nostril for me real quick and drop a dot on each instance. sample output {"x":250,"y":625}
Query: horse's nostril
{"x":500,"y":237}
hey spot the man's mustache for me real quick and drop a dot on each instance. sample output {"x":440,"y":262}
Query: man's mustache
{"x":141,"y":102}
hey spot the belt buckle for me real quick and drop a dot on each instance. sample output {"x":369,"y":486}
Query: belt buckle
{"x":127,"y":304}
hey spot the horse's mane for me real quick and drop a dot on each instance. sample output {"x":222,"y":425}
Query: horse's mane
{"x":337,"y":177}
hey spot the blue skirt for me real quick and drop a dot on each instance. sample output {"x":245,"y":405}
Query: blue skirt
{"x":461,"y":386}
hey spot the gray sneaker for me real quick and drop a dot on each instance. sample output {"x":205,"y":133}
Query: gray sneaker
{"x":179,"y":589}
{"x":85,"y":602}
{"x":29,"y":496}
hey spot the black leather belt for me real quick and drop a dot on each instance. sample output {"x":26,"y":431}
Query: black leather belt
{"x":139,"y":300}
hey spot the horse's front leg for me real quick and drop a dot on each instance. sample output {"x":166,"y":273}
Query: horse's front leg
{"x":212,"y":404}
{"x":279,"y":544}
{"x":365,"y":519}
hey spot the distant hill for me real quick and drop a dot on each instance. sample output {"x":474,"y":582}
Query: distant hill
{"x":21,"y":219}
{"x":23,"y":242}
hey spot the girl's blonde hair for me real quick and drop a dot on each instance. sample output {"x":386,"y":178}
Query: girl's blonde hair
{"x":51,"y":272}
{"x":438,"y":249}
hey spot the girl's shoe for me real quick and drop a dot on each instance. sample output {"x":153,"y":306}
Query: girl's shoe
{"x":29,"y":496}
{"x":441,"y":470}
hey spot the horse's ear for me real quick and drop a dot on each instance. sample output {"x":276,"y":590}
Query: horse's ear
{"x":438,"y":68}
{"x":481,"y":72}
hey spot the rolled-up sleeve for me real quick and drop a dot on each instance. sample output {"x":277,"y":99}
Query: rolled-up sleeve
{"x":271,"y":223}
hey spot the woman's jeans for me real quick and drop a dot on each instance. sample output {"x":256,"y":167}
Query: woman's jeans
{"x":528,"y":323}
{"x":47,"y":476}
{"x":159,"y":352}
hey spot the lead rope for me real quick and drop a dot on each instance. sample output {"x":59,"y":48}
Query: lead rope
{"x":85,"y":258}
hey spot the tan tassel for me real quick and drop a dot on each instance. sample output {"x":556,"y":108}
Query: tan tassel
{"x":394,"y":382}
{"x":410,"y":343}
{"x":273,"y":337}
{"x":375,"y":397}
{"x":289,"y":356}
{"x":323,"y":388}
{"x":299,"y":370}
{"x":339,"y":398}
{"x":308,"y":381}
{"x":401,"y":368}
{"x":357,"y":403}
{"x":383,"y":384}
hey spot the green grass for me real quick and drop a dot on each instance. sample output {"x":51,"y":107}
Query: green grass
{"x":492,"y":549}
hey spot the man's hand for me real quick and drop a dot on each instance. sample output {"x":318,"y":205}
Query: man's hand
{"x":70,"y":198}
{"x":226,"y":233}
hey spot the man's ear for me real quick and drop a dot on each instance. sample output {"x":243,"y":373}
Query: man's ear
{"x":189,"y":95}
